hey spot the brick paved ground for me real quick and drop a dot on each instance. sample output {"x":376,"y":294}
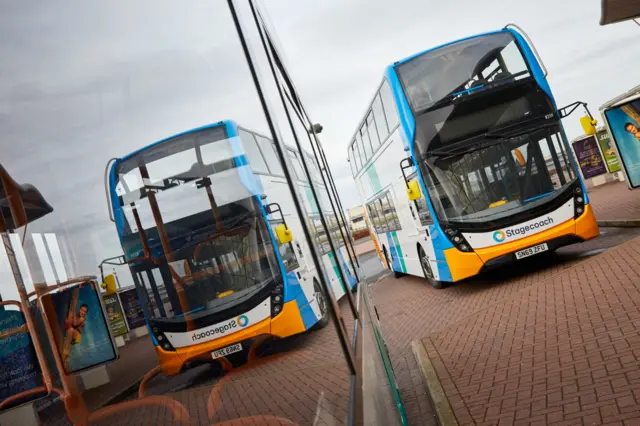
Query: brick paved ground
{"x":304,"y":381}
{"x":410,"y":309}
{"x":562,"y":351}
{"x":614,"y":201}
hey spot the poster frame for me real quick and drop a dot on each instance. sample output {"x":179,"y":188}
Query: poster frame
{"x":603,"y":112}
{"x":53,"y":326}
{"x":124,"y":290}
{"x":575,"y":153}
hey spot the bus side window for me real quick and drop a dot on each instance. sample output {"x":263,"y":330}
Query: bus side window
{"x":389,"y":105}
{"x":252,"y":152}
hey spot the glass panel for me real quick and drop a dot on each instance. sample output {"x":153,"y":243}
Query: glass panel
{"x":254,"y":156}
{"x":373,"y":132}
{"x":389,"y":104}
{"x":389,"y":213}
{"x":380,"y":119}
{"x":313,"y":169}
{"x":519,"y":173}
{"x":270,"y":156}
{"x":352,"y":161}
{"x":362,"y":148}
{"x":461,"y":69}
{"x":357,"y":163}
{"x":375,"y":216}
{"x":366,"y":142}
{"x":188,"y":213}
{"x":297,"y":166}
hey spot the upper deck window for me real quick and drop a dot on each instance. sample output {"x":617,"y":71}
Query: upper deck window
{"x":442,"y":75}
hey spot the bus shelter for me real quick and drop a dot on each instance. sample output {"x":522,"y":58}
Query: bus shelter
{"x":614,"y":11}
{"x":188,"y":69}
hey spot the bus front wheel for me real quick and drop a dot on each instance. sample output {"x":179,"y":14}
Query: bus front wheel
{"x":426,"y":269}
{"x":322,"y":305}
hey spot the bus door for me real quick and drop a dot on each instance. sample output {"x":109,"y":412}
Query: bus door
{"x":422,"y":229}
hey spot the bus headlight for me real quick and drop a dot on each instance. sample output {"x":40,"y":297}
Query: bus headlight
{"x":277,"y":299}
{"x":578,"y":202}
{"x":162,"y":340}
{"x":458,"y":240}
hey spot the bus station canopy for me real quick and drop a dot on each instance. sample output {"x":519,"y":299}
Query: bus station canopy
{"x":619,"y":10}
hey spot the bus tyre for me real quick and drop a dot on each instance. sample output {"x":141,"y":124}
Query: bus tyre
{"x":426,"y":269}
{"x":396,"y":274}
{"x":322,"y":305}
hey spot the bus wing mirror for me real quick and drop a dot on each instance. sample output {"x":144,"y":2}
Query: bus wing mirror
{"x":588,"y":125}
{"x":284,"y":234}
{"x":109,"y":284}
{"x":413,"y":190}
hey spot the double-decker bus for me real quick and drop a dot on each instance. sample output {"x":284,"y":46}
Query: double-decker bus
{"x":208,"y":229}
{"x":462,"y":161}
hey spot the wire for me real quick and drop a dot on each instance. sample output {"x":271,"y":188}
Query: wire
{"x":636,"y":21}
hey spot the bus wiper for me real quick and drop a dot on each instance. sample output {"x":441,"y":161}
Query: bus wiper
{"x":466,"y":148}
{"x":438,"y":104}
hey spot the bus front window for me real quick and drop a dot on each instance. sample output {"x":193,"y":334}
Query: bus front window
{"x":196,"y":208}
{"x":500,"y":178}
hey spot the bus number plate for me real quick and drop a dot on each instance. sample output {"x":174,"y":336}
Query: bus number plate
{"x":532,"y":251}
{"x":219,"y":353}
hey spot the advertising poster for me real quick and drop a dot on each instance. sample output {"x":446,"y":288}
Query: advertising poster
{"x":82,"y":331}
{"x":19,"y":367}
{"x":132,"y":308}
{"x":624,"y":122}
{"x":589,"y":158}
{"x":115,"y":314}
{"x":608,"y":151}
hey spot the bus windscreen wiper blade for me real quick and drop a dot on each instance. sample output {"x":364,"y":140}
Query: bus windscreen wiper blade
{"x":491,"y":141}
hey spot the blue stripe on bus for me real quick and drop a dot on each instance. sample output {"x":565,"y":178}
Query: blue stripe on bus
{"x":393,"y":253}
{"x":296,"y":293}
{"x":538,"y":197}
{"x":407,"y":133}
{"x":190,"y":312}
{"x":350,"y":278}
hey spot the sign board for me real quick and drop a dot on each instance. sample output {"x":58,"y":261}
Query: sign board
{"x":115,"y":314}
{"x":589,"y":157}
{"x":608,"y":151}
{"x":623,"y":122}
{"x":19,"y":367}
{"x":80,"y":327}
{"x":132,"y":308}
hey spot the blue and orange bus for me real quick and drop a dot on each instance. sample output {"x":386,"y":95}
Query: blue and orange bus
{"x":208,"y":228}
{"x":462,"y":161}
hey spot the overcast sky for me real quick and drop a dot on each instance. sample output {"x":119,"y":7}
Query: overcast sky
{"x":81,"y":82}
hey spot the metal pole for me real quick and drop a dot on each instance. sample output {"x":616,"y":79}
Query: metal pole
{"x":290,"y":182}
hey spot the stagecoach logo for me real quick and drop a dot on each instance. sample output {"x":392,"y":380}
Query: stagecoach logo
{"x":521,"y":231}
{"x":499,"y":236}
{"x":241,"y":321}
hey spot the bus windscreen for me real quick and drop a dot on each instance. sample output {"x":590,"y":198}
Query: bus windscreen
{"x":194,"y":204}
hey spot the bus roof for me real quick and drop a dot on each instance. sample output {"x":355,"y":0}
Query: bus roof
{"x":197,"y":129}
{"x":402,"y":61}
